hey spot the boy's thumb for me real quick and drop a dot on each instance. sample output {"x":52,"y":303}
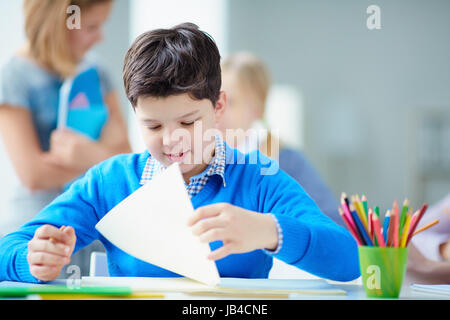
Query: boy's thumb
{"x":70,"y":231}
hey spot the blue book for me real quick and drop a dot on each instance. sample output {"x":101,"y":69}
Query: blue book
{"x":81,"y":106}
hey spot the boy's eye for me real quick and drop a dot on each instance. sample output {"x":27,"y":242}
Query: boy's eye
{"x":189,"y":123}
{"x":154,"y":128}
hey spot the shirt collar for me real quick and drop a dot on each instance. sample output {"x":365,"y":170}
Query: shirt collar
{"x":216,"y":166}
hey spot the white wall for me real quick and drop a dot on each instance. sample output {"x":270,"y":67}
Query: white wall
{"x":145,"y":15}
{"x":361,"y":87}
{"x":209,"y":15}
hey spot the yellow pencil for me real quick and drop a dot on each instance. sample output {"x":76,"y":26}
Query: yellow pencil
{"x":405,"y":231}
{"x":360,"y":211}
{"x":432,"y":223}
{"x":134,"y":295}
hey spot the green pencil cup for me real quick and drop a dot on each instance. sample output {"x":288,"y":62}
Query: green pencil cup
{"x":382,"y":270}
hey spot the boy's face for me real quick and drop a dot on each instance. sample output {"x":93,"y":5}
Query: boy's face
{"x":180,"y":129}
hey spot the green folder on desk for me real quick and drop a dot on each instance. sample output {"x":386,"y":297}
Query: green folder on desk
{"x":62,"y":291}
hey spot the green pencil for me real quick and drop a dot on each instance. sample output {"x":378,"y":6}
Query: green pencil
{"x":405,"y":209}
{"x":364,"y":202}
{"x":376,"y":209}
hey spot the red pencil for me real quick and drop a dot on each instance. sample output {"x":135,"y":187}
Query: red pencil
{"x":370,"y":224}
{"x":350,"y":228}
{"x":344,"y":204}
{"x":377,"y":231}
{"x":390,"y":230}
{"x":414,"y":225}
{"x":396,"y":226}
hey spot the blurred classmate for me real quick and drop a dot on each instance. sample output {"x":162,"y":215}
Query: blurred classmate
{"x":246,"y":81}
{"x":429,"y":257}
{"x":45,"y":159}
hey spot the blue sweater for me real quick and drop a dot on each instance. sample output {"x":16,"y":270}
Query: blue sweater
{"x":311,"y":240}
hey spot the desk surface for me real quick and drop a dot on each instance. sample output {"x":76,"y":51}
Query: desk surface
{"x":353,"y":292}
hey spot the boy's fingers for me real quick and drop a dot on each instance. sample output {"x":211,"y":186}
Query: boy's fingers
{"x":50,"y":232}
{"x":206,"y":212}
{"x":48,"y":259}
{"x":45,"y":273}
{"x":70,"y":234}
{"x":206,"y":224}
{"x":221,"y":252}
{"x":213,"y":235}
{"x":49,"y":246}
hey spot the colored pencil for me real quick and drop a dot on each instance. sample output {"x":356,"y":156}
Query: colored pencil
{"x":376,"y":209}
{"x":377,"y":231}
{"x":350,"y":228}
{"x":405,"y":231}
{"x":404,"y":211}
{"x":356,"y":229}
{"x":371,"y":229}
{"x":360,"y":226}
{"x":387,"y":218}
{"x":364,"y":203}
{"x":360,"y":210}
{"x":344,"y":205}
{"x":391,"y":230}
{"x":396,"y":226}
{"x":432,"y":223}
{"x":345,"y":198}
{"x":415,"y":223}
{"x":364,"y":223}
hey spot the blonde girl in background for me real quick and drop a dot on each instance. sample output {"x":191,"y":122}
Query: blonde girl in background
{"x":43,"y":158}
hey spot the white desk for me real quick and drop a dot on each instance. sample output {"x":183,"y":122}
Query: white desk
{"x":353,"y":292}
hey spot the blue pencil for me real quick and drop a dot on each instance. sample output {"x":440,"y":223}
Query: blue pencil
{"x":387,"y":218}
{"x":360,"y":226}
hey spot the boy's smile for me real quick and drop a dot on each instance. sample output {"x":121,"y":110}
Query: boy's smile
{"x":180,"y":129}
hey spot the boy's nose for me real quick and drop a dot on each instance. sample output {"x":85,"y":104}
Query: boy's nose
{"x":169,"y":140}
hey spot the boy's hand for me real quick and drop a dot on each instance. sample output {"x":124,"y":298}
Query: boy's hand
{"x":240,"y":230}
{"x":50,"y":250}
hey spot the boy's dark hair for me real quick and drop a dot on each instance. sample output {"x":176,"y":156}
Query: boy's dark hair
{"x":166,"y":62}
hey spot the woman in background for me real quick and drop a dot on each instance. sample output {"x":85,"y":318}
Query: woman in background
{"x":246,"y":81}
{"x":46,"y":159}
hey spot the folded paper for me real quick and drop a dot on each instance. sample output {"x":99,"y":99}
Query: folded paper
{"x":151,"y":225}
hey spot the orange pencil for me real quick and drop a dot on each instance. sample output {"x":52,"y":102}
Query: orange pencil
{"x":432,"y":223}
{"x":377,"y":230}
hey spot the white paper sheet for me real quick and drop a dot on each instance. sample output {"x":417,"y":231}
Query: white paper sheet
{"x":151,"y":224}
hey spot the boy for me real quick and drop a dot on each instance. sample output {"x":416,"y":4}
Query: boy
{"x":172,"y":79}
